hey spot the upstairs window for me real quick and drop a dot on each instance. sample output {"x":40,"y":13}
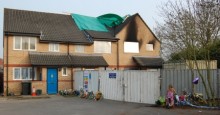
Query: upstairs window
{"x":149,"y":47}
{"x":53,"y":47}
{"x":131,"y":47}
{"x":102,"y":47}
{"x":79,"y":48}
{"x":24,"y":43}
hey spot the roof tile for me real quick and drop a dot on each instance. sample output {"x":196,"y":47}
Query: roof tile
{"x":62,"y":59}
{"x":88,"y":61}
{"x":152,"y":62}
{"x":53,"y":27}
{"x":49,"y":59}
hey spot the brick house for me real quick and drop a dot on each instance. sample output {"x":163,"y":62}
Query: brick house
{"x":46,"y":48}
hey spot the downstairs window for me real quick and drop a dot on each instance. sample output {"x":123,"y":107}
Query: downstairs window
{"x":24,"y":73}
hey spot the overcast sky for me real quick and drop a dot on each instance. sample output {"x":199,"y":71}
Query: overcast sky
{"x":148,"y":9}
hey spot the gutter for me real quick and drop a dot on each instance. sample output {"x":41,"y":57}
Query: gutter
{"x":23,"y":34}
{"x":68,"y":48}
{"x":71,"y":66}
{"x":88,"y":36}
{"x":107,"y":39}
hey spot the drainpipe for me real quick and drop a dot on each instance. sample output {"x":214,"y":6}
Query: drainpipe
{"x":7,"y":65}
{"x":71,"y":67}
{"x":117,"y":55}
{"x":68,"y":49}
{"x":71,"y":73}
{"x":71,"y":78}
{"x":218,"y":85}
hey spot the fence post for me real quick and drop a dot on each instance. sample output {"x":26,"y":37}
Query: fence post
{"x":218,"y":85}
{"x":99,"y":80}
{"x":161,"y":81}
{"x":123,"y":87}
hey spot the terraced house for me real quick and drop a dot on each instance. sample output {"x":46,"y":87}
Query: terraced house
{"x":46,"y":48}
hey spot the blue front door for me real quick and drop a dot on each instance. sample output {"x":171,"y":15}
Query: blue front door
{"x":52,"y":79}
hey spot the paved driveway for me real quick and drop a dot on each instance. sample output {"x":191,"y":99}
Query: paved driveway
{"x":58,"y":105}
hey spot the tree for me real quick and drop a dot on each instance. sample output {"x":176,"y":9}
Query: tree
{"x":214,"y":53}
{"x":189,"y":28}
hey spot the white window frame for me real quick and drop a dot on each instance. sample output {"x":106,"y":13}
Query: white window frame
{"x":52,"y":47}
{"x":150,"y":47}
{"x":20,"y":74}
{"x":16,"y":38}
{"x":102,"y":47}
{"x":64,"y":68}
{"x":29,"y":39}
{"x":131,"y":47}
{"x":79,"y":48}
{"x":34,"y":43}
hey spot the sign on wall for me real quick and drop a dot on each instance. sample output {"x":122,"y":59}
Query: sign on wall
{"x":85,"y":80}
{"x":112,"y":75}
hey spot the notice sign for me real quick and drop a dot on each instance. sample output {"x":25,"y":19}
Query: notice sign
{"x":85,"y":80}
{"x":112,"y":75}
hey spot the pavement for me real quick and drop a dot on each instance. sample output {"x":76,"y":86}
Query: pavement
{"x":58,"y":105}
{"x":20,"y":97}
{"x":28,"y":97}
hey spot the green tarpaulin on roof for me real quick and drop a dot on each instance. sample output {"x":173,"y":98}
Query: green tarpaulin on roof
{"x":110,"y":20}
{"x":97,"y":24}
{"x":88,"y":23}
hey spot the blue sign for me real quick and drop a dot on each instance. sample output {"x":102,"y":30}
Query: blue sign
{"x":112,"y":75}
{"x":90,"y":76}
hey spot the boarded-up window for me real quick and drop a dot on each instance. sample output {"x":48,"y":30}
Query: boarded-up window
{"x":131,"y":47}
{"x":149,"y":47}
{"x":102,"y":47}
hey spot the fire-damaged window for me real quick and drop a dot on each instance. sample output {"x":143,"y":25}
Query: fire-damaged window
{"x":149,"y":47}
{"x":102,"y":47}
{"x":24,"y":43}
{"x":131,"y":47}
{"x":23,"y":73}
